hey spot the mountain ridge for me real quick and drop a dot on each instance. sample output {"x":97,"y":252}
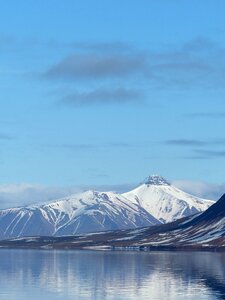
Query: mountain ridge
{"x":202,"y":232}
{"x":151,"y":203}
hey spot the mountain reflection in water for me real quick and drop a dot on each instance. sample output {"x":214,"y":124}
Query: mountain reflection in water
{"x":26,"y":274}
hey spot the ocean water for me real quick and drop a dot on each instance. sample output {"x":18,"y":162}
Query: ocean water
{"x":47,"y":275}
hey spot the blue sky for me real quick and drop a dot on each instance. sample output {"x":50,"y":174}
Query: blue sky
{"x":108,"y":92}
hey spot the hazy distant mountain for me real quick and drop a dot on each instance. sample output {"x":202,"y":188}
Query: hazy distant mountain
{"x":153,"y":202}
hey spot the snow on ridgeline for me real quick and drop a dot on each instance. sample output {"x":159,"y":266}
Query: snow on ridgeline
{"x":90,"y":211}
{"x":155,"y":201}
{"x":164,"y":201}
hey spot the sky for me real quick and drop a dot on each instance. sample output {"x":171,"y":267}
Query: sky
{"x":105,"y":93}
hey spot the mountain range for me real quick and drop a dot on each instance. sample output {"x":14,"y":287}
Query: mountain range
{"x":203,"y":231}
{"x":154,"y":202}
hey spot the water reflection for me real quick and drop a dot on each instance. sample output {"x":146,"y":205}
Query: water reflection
{"x":26,"y":274}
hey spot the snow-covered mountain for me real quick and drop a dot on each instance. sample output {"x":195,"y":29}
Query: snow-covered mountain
{"x":154,"y":202}
{"x":164,"y":201}
{"x":85,"y":212}
{"x":204,"y":231}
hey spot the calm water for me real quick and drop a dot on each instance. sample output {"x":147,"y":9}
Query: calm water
{"x":31,"y":274}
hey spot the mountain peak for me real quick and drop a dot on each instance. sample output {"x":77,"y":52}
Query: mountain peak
{"x":155,"y":180}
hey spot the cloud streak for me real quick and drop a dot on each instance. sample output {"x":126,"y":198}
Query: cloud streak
{"x":201,"y":189}
{"x":5,"y":137}
{"x":94,"y":66}
{"x":194,"y":142}
{"x":103,"y":96}
{"x":213,"y":115}
{"x":104,"y":47}
{"x":185,"y":142}
{"x":200,"y":149}
{"x":211,"y":153}
{"x":197,"y":64}
{"x":89,"y":146}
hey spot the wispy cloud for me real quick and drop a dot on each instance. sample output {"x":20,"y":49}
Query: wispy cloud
{"x":77,"y":146}
{"x":201,"y":189}
{"x":199,"y":149}
{"x":195,"y":142}
{"x":214,"y":115}
{"x":96,"y":66}
{"x":92,"y":146}
{"x":104,"y":47}
{"x":12,"y":195}
{"x":185,"y":142}
{"x":197,"y":64}
{"x":193,"y":157}
{"x":211,"y":153}
{"x":8,"y":43}
{"x":103,"y":96}
{"x":6,"y":137}
{"x":201,"y":154}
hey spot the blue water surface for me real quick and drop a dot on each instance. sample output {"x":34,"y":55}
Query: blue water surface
{"x":48,"y":275}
